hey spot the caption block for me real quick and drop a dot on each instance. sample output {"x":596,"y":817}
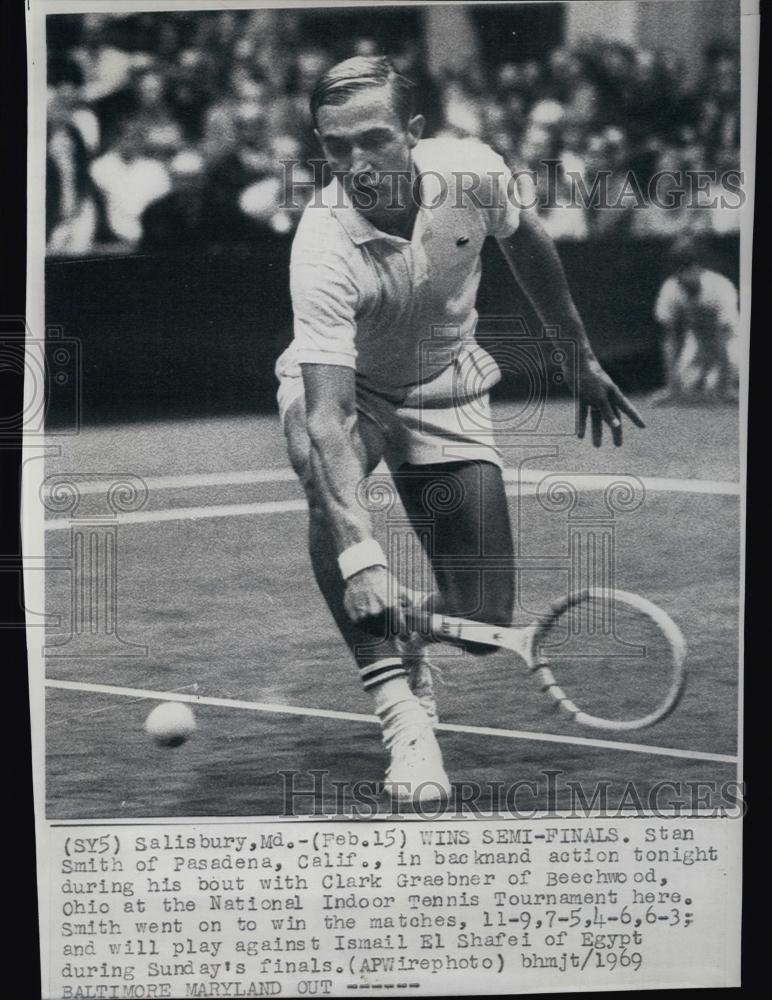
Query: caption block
{"x":336,"y":909}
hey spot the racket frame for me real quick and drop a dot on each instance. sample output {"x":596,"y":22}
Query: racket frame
{"x":525,"y":642}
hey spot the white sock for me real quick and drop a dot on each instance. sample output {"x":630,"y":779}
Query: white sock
{"x":391,"y":693}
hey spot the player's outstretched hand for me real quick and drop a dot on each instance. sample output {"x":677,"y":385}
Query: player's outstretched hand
{"x":605,"y":403}
{"x":375,"y":600}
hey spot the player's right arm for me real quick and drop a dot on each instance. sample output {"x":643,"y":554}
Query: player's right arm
{"x":339,"y":458}
{"x":338,"y":455}
{"x":325,"y":300}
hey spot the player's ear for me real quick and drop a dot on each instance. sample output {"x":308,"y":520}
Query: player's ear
{"x":415,"y":129}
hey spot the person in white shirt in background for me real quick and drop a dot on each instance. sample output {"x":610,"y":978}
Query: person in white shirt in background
{"x":698,"y":310}
{"x":130,"y":180}
{"x":73,"y":137}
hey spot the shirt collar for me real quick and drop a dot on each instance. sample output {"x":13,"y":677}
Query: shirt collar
{"x":357,"y":227}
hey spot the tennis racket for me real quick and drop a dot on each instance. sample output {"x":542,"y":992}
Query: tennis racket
{"x":608,"y":659}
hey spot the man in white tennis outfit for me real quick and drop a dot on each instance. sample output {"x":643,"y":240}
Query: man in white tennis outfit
{"x":384,"y":275}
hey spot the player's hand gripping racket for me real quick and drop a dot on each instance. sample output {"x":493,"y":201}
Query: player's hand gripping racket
{"x":609,"y":659}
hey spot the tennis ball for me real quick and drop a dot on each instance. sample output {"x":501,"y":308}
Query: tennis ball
{"x":170,"y":723}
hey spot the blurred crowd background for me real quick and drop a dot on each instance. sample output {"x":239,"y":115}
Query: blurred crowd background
{"x":167,"y":130}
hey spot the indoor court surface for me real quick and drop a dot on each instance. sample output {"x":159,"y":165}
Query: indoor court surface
{"x":214,"y":581}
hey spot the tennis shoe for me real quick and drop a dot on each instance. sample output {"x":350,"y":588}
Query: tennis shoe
{"x":416,"y":773}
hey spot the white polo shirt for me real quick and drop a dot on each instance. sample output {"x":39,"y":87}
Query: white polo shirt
{"x":379,"y":303}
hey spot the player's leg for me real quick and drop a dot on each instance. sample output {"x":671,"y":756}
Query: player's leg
{"x":448,"y":472}
{"x":729,"y":380}
{"x":670,"y":390}
{"x":689,"y":369}
{"x":416,"y":771}
{"x":469,"y":541}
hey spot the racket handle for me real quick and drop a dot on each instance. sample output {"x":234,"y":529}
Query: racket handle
{"x":436,"y":628}
{"x":461,"y":631}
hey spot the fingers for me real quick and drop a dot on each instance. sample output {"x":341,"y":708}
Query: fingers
{"x":583,"y":411}
{"x":627,"y":408}
{"x":610,"y":415}
{"x":609,"y":410}
{"x":597,"y":428}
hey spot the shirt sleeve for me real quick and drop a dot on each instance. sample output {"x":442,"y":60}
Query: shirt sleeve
{"x":500,"y":195}
{"x":725,"y":301}
{"x":667,"y":303}
{"x":324,"y":303}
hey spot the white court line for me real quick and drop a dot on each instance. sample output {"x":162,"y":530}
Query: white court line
{"x":238,"y":478}
{"x":190,"y":513}
{"x":582,"y":481}
{"x":528,"y":480}
{"x":328,"y":713}
{"x":600,"y":481}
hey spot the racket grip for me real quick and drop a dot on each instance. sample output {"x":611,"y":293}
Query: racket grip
{"x":434,"y":627}
{"x":477,"y":637}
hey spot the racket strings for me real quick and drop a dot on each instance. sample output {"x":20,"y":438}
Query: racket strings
{"x":609,"y":659}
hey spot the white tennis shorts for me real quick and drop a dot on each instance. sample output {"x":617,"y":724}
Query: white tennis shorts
{"x":447,"y":419}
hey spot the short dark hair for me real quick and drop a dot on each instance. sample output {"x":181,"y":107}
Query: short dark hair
{"x":349,"y":77}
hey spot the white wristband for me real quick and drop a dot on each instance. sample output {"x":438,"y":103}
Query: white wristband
{"x":360,"y":556}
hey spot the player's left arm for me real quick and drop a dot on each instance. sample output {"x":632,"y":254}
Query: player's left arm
{"x":534,"y":261}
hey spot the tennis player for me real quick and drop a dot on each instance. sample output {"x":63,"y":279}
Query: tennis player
{"x":387,"y":257}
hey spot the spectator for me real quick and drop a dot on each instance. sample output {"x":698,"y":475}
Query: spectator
{"x":671,"y":209}
{"x":245,"y":101}
{"x":192,"y":86}
{"x":611,"y":213}
{"x":249,"y":161}
{"x":71,"y":198}
{"x":234,"y":82}
{"x":106,"y":69}
{"x":152,"y":112}
{"x":724,"y":195}
{"x":180,"y":220}
{"x":130,"y":180}
{"x":562,"y":214}
{"x":463,"y":110}
{"x":278,"y":199}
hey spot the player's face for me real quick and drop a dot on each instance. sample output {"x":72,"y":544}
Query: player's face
{"x":369,"y":148}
